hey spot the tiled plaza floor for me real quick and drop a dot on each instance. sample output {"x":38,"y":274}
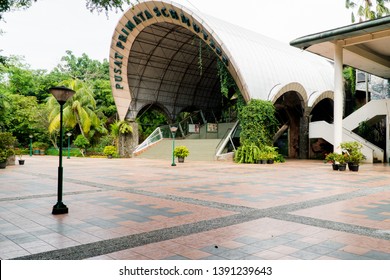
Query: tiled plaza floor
{"x":147,"y":209}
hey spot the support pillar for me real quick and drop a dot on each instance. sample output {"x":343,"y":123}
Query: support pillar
{"x":387,"y":154}
{"x":338,"y":97}
{"x":304,"y":137}
{"x":128,"y":141}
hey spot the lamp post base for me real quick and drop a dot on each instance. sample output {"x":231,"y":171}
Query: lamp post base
{"x":60,"y":208}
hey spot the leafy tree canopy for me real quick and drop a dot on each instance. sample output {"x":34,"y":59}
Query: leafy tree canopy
{"x":92,"y":5}
{"x":83,"y":68}
{"x":367,"y":10}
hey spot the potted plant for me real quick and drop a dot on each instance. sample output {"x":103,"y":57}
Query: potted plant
{"x":6,"y":147}
{"x":355,"y":156}
{"x":342,"y":160}
{"x":109,"y":151}
{"x":270,"y":154}
{"x":181,"y":152}
{"x":247,"y":153}
{"x":39,"y":148}
{"x":4,"y":154}
{"x":332,"y":157}
{"x":262,"y":157}
{"x":20,"y":153}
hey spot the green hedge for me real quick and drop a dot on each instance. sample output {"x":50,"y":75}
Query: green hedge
{"x":74,"y":152}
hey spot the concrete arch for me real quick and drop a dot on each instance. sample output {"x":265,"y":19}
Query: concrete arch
{"x":157,"y":106}
{"x":316,"y":97}
{"x":278,"y":91}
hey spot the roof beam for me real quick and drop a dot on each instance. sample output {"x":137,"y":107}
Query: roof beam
{"x":366,"y":38}
{"x":369,"y":55}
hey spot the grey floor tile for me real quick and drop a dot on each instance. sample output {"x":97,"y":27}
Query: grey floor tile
{"x":376,"y":255}
{"x":247,"y":239}
{"x":320,"y":250}
{"x":305,"y":255}
{"x":233,"y":255}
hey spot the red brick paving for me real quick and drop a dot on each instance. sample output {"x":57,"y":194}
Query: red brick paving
{"x":109,"y":199}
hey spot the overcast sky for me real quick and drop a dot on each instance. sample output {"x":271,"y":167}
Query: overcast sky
{"x":45,"y":31}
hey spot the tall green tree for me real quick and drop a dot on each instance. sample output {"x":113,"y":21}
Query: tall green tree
{"x":94,"y":72}
{"x":92,"y":5}
{"x":79,"y":110}
{"x":16,"y":77}
{"x":83,"y":68}
{"x":367,"y":9}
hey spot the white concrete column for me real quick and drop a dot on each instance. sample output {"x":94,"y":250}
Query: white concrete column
{"x":338,"y":101}
{"x":387,"y":138}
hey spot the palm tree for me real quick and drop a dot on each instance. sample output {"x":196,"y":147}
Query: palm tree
{"x":79,"y":110}
{"x":366,"y":10}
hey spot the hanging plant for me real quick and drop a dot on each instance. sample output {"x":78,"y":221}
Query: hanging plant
{"x":200,"y":59}
{"x":125,"y":127}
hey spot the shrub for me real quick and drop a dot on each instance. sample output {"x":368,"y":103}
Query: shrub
{"x":258,"y":123}
{"x":181,"y":151}
{"x":110,"y":151}
{"x":7,"y":142}
{"x":353,"y":151}
{"x":247,"y":153}
{"x":81,"y":142}
{"x":40,"y":145}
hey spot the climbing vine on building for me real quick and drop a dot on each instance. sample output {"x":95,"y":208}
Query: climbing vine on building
{"x":258,"y":123}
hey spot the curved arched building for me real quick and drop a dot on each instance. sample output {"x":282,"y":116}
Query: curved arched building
{"x":164,"y":54}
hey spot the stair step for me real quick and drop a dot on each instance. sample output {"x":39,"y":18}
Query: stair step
{"x":200,"y":149}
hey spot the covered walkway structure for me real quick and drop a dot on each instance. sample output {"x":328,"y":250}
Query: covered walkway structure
{"x":364,"y":46}
{"x":168,"y":56}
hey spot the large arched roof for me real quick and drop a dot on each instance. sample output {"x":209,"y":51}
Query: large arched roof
{"x":155,"y":52}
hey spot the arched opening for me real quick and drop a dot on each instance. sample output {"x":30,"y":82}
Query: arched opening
{"x":290,"y":110}
{"x":322,"y":111}
{"x":149,"y":118}
{"x":172,"y":66}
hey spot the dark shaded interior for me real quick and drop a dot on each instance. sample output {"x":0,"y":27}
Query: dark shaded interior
{"x":172,"y":67}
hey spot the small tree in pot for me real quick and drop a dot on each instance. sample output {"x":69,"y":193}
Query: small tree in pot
{"x":181,"y":152}
{"x":354,"y":154}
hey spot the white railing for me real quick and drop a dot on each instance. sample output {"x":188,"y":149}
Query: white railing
{"x":226,"y":140}
{"x":324,"y":130}
{"x":154,"y":137}
{"x":165,"y":132}
{"x":370,"y":110}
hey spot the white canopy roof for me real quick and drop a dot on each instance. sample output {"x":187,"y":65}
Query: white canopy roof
{"x":164,"y":53}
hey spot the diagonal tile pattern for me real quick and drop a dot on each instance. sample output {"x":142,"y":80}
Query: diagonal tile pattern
{"x":145,"y":209}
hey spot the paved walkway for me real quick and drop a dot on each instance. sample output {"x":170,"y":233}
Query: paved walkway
{"x":146,"y":209}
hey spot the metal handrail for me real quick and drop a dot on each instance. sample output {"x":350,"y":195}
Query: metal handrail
{"x":164,"y":132}
{"x":227,"y":139}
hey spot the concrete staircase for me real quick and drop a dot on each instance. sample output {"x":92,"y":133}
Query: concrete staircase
{"x":200,"y":149}
{"x":371,"y":112}
{"x":324,"y":130}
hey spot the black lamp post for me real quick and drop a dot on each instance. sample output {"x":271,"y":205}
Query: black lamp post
{"x":62,"y":94}
{"x":173,"y":130}
{"x":30,"y":136}
{"x":69,"y":134}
